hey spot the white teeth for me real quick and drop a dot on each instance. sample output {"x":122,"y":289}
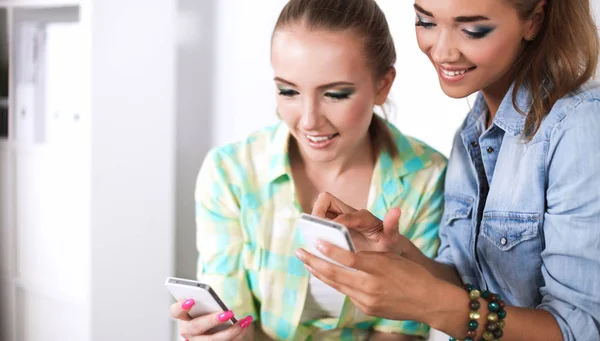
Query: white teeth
{"x":318,"y":138}
{"x":454,"y":73}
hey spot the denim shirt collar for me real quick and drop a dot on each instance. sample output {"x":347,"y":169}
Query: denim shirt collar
{"x":507,"y":118}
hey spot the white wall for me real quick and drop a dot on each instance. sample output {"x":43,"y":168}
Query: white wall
{"x":244,"y":92}
{"x":195,"y":96}
{"x":132,"y":167}
{"x":245,"y":99}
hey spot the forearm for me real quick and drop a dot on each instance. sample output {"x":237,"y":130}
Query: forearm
{"x":381,"y":336}
{"x":452,"y":316}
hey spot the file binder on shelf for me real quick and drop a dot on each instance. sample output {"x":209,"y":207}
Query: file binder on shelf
{"x":29,"y":95}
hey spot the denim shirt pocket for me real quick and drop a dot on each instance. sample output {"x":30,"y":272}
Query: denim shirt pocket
{"x":512,"y":253}
{"x":457,"y":207}
{"x":506,"y":230}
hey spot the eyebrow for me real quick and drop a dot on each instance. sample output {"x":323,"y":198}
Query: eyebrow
{"x":422,"y":10}
{"x":471,"y":19}
{"x":324,"y":86}
{"x":461,"y":19}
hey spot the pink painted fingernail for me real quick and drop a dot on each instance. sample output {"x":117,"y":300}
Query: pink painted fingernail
{"x":246,"y":322}
{"x":187,"y":305}
{"x":225,"y":316}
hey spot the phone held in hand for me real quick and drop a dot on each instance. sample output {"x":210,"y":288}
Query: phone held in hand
{"x":314,"y":229}
{"x":206,"y":299}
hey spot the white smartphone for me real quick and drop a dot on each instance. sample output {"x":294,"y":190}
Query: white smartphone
{"x":206,"y":299}
{"x":314,"y":228}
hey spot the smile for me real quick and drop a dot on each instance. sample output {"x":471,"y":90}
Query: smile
{"x":321,"y":141}
{"x":454,"y":75}
{"x":321,"y":138}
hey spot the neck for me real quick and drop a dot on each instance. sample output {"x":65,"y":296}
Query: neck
{"x":494,"y":95}
{"x":356,"y":158}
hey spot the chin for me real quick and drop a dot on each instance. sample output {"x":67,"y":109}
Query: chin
{"x":456,"y":92}
{"x":321,"y":157}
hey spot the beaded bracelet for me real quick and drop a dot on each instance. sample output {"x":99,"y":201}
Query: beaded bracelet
{"x":495,"y":316}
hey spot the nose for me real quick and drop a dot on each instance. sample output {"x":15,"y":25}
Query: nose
{"x":445,"y":50}
{"x":311,"y":116}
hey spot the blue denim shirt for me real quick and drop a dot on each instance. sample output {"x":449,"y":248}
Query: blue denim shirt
{"x":522,"y":219}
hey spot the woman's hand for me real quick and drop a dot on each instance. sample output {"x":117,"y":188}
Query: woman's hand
{"x":385,"y":284}
{"x":200,"y":328}
{"x":367,"y":231}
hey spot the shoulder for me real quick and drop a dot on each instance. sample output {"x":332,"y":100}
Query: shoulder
{"x":416,"y":155}
{"x":245,"y":158}
{"x":580,"y":109}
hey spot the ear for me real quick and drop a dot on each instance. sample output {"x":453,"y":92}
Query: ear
{"x":384,"y":86}
{"x":535,"y":21}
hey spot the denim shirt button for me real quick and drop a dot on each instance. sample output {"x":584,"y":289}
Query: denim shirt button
{"x":490,"y":150}
{"x":474,"y":144}
{"x":503,"y":241}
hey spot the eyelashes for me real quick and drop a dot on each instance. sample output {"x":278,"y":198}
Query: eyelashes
{"x":478,"y":33}
{"x":424,"y":24}
{"x":288,"y":92}
{"x":338,"y":96}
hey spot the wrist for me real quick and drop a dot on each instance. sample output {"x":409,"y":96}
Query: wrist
{"x":447,"y":309}
{"x":485,"y":312}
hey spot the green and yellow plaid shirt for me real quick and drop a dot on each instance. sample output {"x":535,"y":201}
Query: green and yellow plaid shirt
{"x":246,"y":212}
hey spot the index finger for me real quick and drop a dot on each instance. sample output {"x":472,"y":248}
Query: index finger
{"x":328,"y":206}
{"x":332,"y":272}
{"x":358,"y":220}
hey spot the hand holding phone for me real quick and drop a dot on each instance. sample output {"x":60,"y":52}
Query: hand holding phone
{"x":314,"y":229}
{"x":202,"y":314}
{"x":206,"y":300}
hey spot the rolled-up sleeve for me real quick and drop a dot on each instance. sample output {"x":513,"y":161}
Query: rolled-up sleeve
{"x":571,"y":258}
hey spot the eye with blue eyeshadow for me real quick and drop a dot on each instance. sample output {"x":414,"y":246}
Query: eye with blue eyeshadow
{"x":479,"y":32}
{"x":340,"y":95}
{"x":423,"y":23}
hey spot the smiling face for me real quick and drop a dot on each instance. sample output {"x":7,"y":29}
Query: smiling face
{"x":325,"y":90}
{"x":473,"y":44}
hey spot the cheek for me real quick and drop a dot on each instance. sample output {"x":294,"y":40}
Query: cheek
{"x":287,"y":110}
{"x":424,"y":40}
{"x":354,"y":115}
{"x":498,"y":54}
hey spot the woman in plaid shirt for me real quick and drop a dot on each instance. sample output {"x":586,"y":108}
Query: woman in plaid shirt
{"x":333,"y":62}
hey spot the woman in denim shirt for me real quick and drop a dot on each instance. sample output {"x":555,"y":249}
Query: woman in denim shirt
{"x":522,"y":195}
